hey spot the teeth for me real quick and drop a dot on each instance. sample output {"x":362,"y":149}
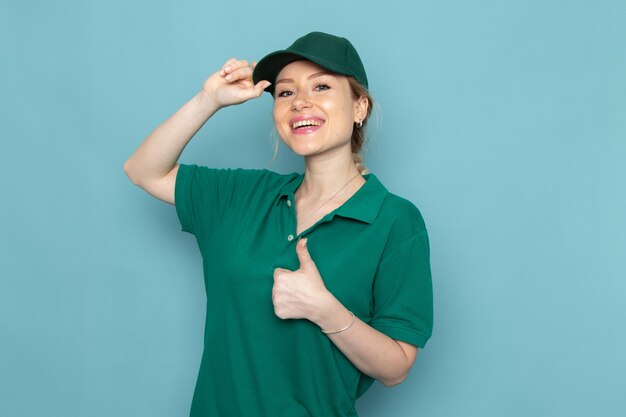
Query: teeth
{"x":306,"y":123}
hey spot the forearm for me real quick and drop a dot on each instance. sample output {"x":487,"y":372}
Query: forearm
{"x":159,"y":152}
{"x":371,"y":351}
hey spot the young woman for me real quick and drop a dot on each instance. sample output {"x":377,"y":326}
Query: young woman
{"x":317,"y":283}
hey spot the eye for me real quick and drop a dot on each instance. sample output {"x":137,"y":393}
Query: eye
{"x":283,"y":93}
{"x":322,"y":87}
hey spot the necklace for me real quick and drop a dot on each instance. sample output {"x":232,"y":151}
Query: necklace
{"x":331,"y":197}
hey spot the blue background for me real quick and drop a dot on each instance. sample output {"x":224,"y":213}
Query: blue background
{"x":504,"y":122}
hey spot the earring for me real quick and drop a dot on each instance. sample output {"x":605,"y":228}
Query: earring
{"x":360,"y":124}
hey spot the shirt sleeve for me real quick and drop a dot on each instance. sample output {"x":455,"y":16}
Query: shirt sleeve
{"x":202,"y":195}
{"x":403,"y":297}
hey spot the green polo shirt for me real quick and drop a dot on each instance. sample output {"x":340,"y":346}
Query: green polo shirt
{"x":372,"y":253}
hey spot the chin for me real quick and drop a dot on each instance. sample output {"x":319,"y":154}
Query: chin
{"x":309,"y":146}
{"x":301,"y":147}
{"x":304,"y":151}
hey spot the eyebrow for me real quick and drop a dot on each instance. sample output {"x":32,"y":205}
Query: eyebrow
{"x":317,"y":74}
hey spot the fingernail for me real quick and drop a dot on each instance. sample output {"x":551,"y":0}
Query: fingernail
{"x":229,"y":77}
{"x":267,"y":84}
{"x":227,"y":68}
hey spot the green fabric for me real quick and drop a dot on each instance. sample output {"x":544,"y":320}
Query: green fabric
{"x":372,"y":253}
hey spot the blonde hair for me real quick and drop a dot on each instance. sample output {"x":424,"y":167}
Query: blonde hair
{"x":358,"y":133}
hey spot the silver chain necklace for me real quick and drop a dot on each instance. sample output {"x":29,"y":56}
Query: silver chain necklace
{"x":331,"y":197}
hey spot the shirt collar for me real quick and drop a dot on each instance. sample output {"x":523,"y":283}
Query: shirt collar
{"x":364,"y":205}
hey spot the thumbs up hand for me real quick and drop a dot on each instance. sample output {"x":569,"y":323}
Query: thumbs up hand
{"x":299,"y":294}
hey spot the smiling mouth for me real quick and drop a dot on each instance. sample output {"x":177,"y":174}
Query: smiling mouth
{"x":303,"y":124}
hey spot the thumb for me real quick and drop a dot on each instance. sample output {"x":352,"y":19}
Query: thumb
{"x":303,"y":254}
{"x":260,"y":87}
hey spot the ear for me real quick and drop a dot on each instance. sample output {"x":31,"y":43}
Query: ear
{"x":360,"y":110}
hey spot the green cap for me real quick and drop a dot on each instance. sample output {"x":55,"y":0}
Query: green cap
{"x":330,"y":52}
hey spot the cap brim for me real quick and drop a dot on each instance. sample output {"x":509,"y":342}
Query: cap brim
{"x":270,"y":66}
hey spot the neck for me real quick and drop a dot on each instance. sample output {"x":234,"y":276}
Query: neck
{"x":322,"y":177}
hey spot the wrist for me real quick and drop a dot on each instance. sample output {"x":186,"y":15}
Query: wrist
{"x":207,"y":102}
{"x":332,"y":315}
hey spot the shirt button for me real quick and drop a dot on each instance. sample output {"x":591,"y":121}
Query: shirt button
{"x":288,"y":203}
{"x":290,"y":238}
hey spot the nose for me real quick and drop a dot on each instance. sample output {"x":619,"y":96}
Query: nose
{"x":300,"y":101}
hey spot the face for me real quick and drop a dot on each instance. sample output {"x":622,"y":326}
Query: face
{"x":314,"y":110}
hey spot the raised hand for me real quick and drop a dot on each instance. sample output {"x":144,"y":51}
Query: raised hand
{"x":232,"y":84}
{"x":299,"y":294}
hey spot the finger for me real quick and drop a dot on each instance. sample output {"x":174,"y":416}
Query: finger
{"x":226,"y":64}
{"x":239,"y":74}
{"x":303,"y":253}
{"x":260,"y":87}
{"x":253,"y":65}
{"x":231,"y":65}
{"x":235,"y":65}
{"x":255,"y":91}
{"x":280,"y":271}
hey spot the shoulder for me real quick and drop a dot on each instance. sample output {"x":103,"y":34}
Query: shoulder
{"x":236,"y":177}
{"x":404,"y":209}
{"x":403,"y":214}
{"x":407,"y":235}
{"x":264,"y":178}
{"x":400,"y":222}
